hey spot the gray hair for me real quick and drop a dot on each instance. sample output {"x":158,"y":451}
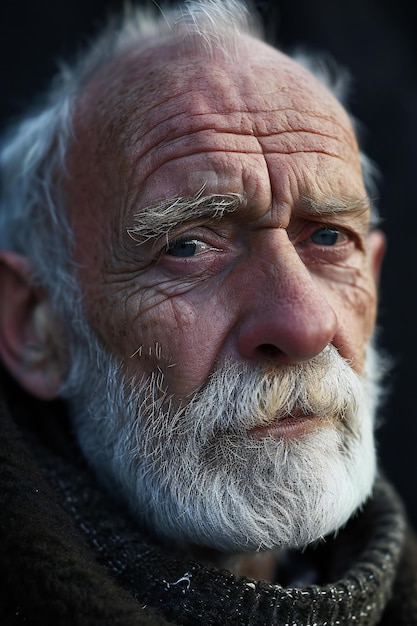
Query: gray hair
{"x":33,"y":218}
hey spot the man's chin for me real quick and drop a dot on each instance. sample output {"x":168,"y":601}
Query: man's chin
{"x":201,"y":476}
{"x":283,"y":494}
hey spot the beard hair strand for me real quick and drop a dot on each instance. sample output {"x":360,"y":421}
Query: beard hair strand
{"x":193,"y":473}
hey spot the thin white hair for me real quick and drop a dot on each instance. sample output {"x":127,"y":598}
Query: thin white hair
{"x":33,"y":152}
{"x":34,"y":222}
{"x":193,"y":473}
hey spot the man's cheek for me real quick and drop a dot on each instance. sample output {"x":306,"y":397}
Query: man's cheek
{"x":356,"y":312}
{"x":181,"y":338}
{"x":157,"y":329}
{"x":360,"y":305}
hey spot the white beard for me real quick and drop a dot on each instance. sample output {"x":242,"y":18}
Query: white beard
{"x":194,"y":474}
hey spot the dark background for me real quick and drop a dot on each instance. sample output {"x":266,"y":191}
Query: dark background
{"x":377,"y":41}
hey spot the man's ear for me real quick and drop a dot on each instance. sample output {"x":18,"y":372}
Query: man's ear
{"x":377,"y":245}
{"x":31,"y":345}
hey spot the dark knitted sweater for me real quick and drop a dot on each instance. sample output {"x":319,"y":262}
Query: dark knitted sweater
{"x":72,"y":555}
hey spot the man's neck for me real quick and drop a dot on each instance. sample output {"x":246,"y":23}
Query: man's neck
{"x":258,"y":565}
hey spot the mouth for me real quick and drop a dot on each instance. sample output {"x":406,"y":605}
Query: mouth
{"x":293,"y":425}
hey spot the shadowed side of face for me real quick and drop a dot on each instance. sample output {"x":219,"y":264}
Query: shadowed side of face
{"x":273,"y":280}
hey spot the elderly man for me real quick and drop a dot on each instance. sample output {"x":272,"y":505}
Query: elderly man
{"x":189,"y":264}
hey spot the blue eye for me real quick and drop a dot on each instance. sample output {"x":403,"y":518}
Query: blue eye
{"x":325,"y":237}
{"x":182,"y":248}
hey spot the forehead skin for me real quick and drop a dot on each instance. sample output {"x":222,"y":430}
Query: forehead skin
{"x":161,"y":123}
{"x":155,"y":111}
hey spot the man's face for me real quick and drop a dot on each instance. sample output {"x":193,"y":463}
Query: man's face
{"x":273,"y":282}
{"x":176,"y":287}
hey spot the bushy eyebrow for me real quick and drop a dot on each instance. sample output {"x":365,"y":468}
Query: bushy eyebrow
{"x":335,"y":206}
{"x":158,"y":220}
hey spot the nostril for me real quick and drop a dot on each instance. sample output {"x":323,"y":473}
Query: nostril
{"x":269,"y":350}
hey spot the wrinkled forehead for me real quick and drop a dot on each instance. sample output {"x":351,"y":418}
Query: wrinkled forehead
{"x":156,"y":83}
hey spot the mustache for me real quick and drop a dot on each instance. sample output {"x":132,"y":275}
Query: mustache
{"x":238,"y":397}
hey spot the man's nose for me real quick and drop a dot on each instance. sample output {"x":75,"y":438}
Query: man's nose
{"x":286,"y":318}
